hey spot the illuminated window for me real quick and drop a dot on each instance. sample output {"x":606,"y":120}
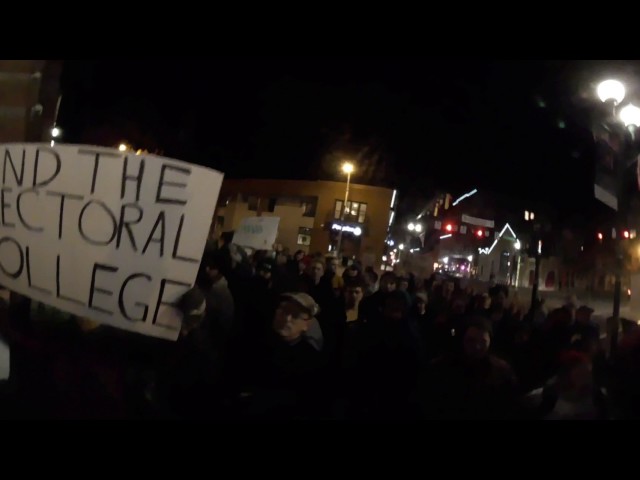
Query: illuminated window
{"x":355,"y":212}
{"x":362,"y":213}
{"x":304,"y":236}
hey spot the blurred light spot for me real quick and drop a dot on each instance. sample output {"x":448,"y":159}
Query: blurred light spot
{"x":541,"y":103}
{"x":561,"y":124}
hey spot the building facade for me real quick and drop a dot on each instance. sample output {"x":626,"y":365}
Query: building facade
{"x":29,"y":92}
{"x":311,"y":214}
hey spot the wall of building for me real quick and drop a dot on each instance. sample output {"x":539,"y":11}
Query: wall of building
{"x":291,"y":219}
{"x":28,"y":98}
{"x":374,"y":227}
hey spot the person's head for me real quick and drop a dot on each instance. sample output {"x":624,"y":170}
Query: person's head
{"x":421,"y":302}
{"x":575,"y":372}
{"x":299,"y":255}
{"x":213,"y":266}
{"x":264,"y":270}
{"x":294,"y":315}
{"x":317,"y":270}
{"x":352,"y":271}
{"x":403,"y":283}
{"x":388,"y":282}
{"x":476,"y":339}
{"x":302,"y":265}
{"x":395,"y":307}
{"x":353,"y":293}
{"x":332,"y":264}
{"x":371,"y":277}
{"x":583,"y":314}
{"x":192,"y":305}
{"x":458,"y":304}
{"x":571,"y":304}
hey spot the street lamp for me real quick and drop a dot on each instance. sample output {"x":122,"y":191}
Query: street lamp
{"x":529,"y":217}
{"x":348,"y":168}
{"x":418,"y":227}
{"x":122,"y":147}
{"x":611,"y":90}
{"x":55,"y":132}
{"x":630,"y":116}
{"x":411,"y":227}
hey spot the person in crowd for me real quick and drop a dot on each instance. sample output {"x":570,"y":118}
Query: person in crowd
{"x":470,"y":382}
{"x":371,"y":307}
{"x":331,"y":272}
{"x":294,"y":377}
{"x":353,"y":294}
{"x":371,"y":279}
{"x":571,"y":395}
{"x":212,"y":281}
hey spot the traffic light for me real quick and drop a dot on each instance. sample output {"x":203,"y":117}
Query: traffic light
{"x":479,"y":233}
{"x":448,"y":227}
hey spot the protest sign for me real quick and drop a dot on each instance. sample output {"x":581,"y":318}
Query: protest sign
{"x":99,"y":233}
{"x":258,"y":233}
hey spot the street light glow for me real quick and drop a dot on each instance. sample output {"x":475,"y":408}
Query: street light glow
{"x":122,"y":147}
{"x":55,"y":132}
{"x":411,"y":227}
{"x":630,"y":115}
{"x":470,"y":258}
{"x":611,"y":90}
{"x":517,"y":245}
{"x":401,"y":246}
{"x":418,"y":227}
{"x":347,"y":167}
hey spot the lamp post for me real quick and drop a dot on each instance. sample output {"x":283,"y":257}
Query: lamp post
{"x":347,"y":168}
{"x":613,"y":92}
{"x":536,"y":248}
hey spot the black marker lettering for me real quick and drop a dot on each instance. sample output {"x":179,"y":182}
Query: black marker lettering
{"x":136,"y":178}
{"x":19,"y":178}
{"x":96,"y":162}
{"x":161,"y":183}
{"x":114,"y":224}
{"x":177,"y":243}
{"x":127,"y":224}
{"x":58,"y":294}
{"x":19,"y":209}
{"x":37,"y":162}
{"x":18,"y":272}
{"x":123,"y":311}
{"x":94,"y":289}
{"x":159,"y":222}
{"x":160,"y":300}
{"x":62,"y":196}
{"x":31,"y":285}
{"x":4,"y":205}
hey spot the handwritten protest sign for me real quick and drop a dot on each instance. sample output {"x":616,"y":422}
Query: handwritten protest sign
{"x":103,"y":234}
{"x":257,"y":232}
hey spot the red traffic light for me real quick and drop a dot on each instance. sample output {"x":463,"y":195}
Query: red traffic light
{"x":448,"y":227}
{"x":479,"y":233}
{"x":599,"y":236}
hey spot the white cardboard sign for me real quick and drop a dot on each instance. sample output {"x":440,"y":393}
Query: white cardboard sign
{"x":103,"y":234}
{"x":258,"y":233}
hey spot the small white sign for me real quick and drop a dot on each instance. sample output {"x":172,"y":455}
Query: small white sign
{"x":258,"y":233}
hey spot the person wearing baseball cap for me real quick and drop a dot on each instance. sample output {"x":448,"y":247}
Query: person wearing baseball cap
{"x":295,"y":321}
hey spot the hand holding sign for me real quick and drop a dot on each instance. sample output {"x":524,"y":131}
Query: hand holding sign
{"x":104,"y":234}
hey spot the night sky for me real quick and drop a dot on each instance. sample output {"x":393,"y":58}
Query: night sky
{"x":418,"y":124}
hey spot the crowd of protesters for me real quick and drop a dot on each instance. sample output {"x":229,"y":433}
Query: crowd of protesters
{"x":273,"y":336}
